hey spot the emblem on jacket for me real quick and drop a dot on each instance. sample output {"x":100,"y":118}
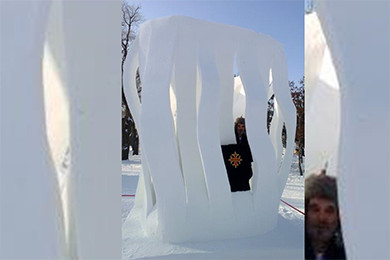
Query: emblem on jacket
{"x":235,"y":159}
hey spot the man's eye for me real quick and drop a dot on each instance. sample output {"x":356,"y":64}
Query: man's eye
{"x":330,"y":210}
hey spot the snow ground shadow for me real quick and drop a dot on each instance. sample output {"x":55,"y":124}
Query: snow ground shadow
{"x":129,"y":184}
{"x":286,"y":241}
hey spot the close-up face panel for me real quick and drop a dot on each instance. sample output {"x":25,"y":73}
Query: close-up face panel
{"x":347,"y":141}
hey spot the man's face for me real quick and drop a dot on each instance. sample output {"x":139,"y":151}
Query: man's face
{"x":240,"y":129}
{"x":321,"y":219}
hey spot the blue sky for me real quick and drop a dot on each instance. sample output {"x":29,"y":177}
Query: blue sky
{"x":283,"y":20}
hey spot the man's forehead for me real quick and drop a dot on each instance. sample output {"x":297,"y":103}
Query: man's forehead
{"x":321,"y":201}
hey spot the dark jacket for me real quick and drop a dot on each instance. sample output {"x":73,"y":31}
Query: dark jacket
{"x":335,"y":250}
{"x":240,"y":174}
{"x":244,"y":144}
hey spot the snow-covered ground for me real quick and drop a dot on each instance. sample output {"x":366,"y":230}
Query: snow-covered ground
{"x":286,"y":241}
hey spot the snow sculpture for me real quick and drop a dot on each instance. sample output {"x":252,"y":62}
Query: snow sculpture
{"x":186,"y":68}
{"x":322,"y":102}
{"x":40,"y":220}
{"x":362,"y":143}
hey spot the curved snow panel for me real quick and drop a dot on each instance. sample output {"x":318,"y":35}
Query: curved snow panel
{"x":264,"y":181}
{"x":93,"y":82}
{"x":287,"y":110}
{"x":322,"y":102}
{"x":185,"y":79}
{"x":225,"y":58}
{"x":208,"y":134}
{"x":31,"y":216}
{"x":162,"y":153}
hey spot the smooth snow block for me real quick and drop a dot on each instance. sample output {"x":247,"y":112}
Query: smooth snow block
{"x":46,"y":51}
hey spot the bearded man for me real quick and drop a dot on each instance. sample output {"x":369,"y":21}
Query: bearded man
{"x":323,"y":238}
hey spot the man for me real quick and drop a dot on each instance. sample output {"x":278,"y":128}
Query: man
{"x":238,"y":159}
{"x":323,"y":239}
{"x":239,"y":130}
{"x":241,"y":138}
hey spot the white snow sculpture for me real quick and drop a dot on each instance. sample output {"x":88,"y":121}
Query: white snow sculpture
{"x":183,"y":192}
{"x":322,"y":102}
{"x":83,"y":60}
{"x":357,"y":35}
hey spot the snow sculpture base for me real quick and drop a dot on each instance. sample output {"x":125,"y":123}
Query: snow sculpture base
{"x":186,"y":68}
{"x":244,"y":223}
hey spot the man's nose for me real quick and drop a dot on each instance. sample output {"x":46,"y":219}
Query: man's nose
{"x":322,"y":217}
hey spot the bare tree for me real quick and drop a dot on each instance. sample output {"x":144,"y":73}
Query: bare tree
{"x":298,"y":97}
{"x":131,"y":19}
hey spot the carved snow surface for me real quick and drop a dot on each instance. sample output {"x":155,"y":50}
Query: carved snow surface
{"x":59,"y":98}
{"x":322,"y":133}
{"x":186,"y":68}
